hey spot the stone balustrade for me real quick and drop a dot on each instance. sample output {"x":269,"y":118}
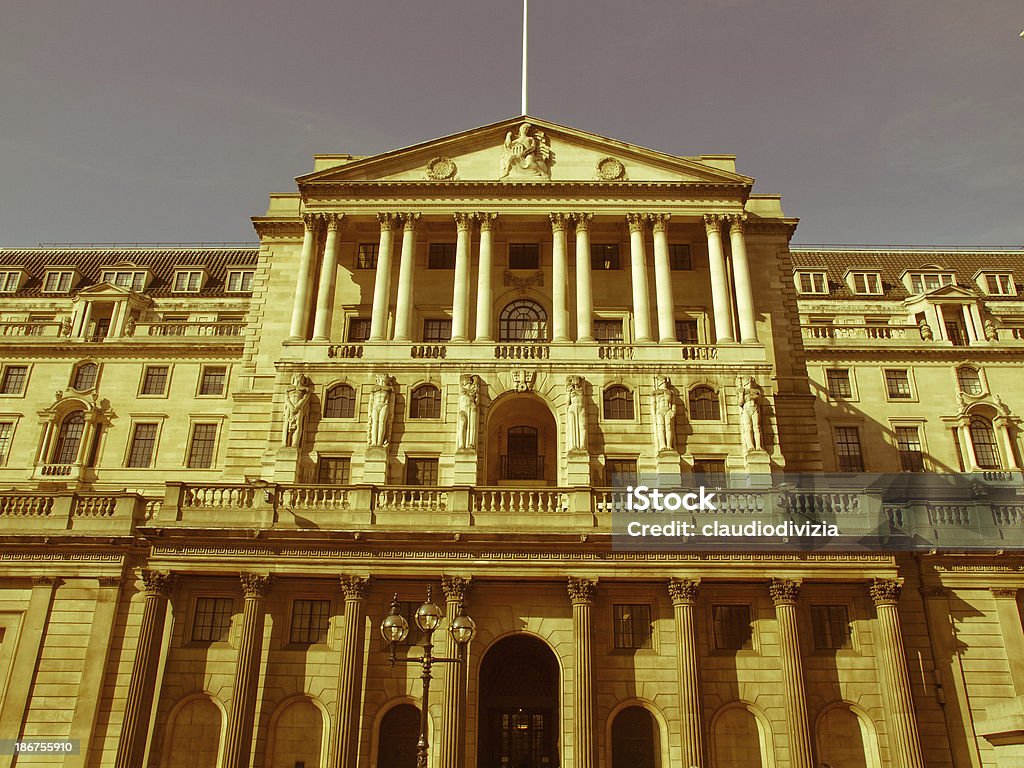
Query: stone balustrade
{"x":115,"y":514}
{"x":206,"y":330}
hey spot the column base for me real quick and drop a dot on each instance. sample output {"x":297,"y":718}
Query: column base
{"x":561,"y":340}
{"x":375,"y":466}
{"x":586,"y":340}
{"x":644,"y":340}
{"x":403,"y":339}
{"x":459,"y":339}
{"x":483,"y":340}
{"x":319,"y":338}
{"x":751,"y":341}
{"x":668,"y":341}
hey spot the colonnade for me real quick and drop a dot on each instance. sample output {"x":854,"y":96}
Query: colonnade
{"x":730,"y":281}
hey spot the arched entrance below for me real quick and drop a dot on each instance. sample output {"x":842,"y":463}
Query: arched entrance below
{"x":522,"y":442}
{"x":636,"y":742}
{"x":398,"y":736}
{"x":519,"y":705}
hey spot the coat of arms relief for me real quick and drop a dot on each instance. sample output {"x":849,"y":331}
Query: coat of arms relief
{"x":526,"y":155}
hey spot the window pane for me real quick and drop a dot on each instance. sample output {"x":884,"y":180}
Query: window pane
{"x":604,"y":256}
{"x":897,"y":384}
{"x":200,"y":454}
{"x":85,"y":377}
{"x":908,"y":443}
{"x":608,"y":331}
{"x":421,"y":471}
{"x":679,"y":257}
{"x":831,"y":627}
{"x":632,"y":626}
{"x":838,"y":383}
{"x":334,"y":470}
{"x":969,"y":380}
{"x":212,"y":619}
{"x":426,"y":403}
{"x":358,"y":330}
{"x":732,"y":627}
{"x":366,"y":258}
{"x":441,"y":256}
{"x":154,"y":381}
{"x":523,"y":320}
{"x":436,"y":331}
{"x":14,"y":380}
{"x":704,"y":405}
{"x":686,"y":331}
{"x":523,"y":256}
{"x":213,"y":380}
{"x":310,"y":621}
{"x":983,"y":438}
{"x":341,"y":402}
{"x":709,"y":472}
{"x":69,"y":438}
{"x":620,"y":473}
{"x":6,"y":433}
{"x":618,"y":403}
{"x":143,"y":442}
{"x":848,"y":449}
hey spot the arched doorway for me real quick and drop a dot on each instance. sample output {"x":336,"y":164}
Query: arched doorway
{"x":636,"y":742}
{"x":522,"y":442}
{"x":398,"y":736}
{"x":519,"y":705}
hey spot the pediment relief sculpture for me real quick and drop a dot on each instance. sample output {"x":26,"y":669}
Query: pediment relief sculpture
{"x":526,"y":154}
{"x":441,"y":169}
{"x":611,"y":169}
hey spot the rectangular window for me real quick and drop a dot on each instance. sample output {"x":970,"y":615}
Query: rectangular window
{"x":812,"y":282}
{"x":620,"y":473}
{"x":358,"y":330}
{"x":608,"y":331}
{"x":334,"y":470}
{"x":135,"y":281}
{"x":897,"y":383}
{"x":240,"y":280}
{"x":838,"y":383}
{"x":732,"y":627}
{"x":687,"y":331}
{"x":709,"y":472}
{"x":632,"y":626}
{"x":604,"y":256}
{"x":9,"y":281}
{"x":679,"y":257}
{"x":200,"y":450}
{"x":6,"y":435}
{"x":923,"y":281}
{"x":212,"y":619}
{"x":140,"y":453}
{"x":310,"y":621}
{"x":188,"y":281}
{"x":908,"y":443}
{"x":366,"y":257}
{"x":523,"y":256}
{"x":213,"y":380}
{"x":831,"y":627}
{"x":848,"y":449}
{"x":436,"y":331}
{"x":999,"y":285}
{"x":867,"y":283}
{"x":154,"y":380}
{"x":441,"y":256}
{"x":57,"y":282}
{"x":420,"y":471}
{"x":13,"y":382}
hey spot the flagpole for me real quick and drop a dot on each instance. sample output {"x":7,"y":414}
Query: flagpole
{"x":525,"y":6}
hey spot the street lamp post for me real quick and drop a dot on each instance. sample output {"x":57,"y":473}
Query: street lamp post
{"x":395,"y":629}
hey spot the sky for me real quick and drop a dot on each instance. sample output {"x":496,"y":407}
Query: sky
{"x":878,"y":121}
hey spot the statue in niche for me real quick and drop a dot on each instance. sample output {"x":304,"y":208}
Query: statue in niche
{"x":382,"y":401}
{"x":575,"y":415}
{"x":663,"y":406}
{"x":469,"y":409}
{"x":751,"y":398}
{"x":527,"y":154}
{"x":926,"y":330}
{"x":65,"y":326}
{"x":991,"y":334}
{"x":296,"y":403}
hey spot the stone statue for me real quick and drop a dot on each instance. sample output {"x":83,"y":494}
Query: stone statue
{"x":751,"y":398}
{"x":663,"y":406}
{"x":296,"y":403}
{"x":961,"y":400}
{"x":65,"y":326}
{"x":382,"y":401}
{"x":575,"y":415}
{"x":469,"y":410}
{"x":926,"y":330}
{"x":129,"y":326}
{"x":991,"y":334}
{"x":527,"y":154}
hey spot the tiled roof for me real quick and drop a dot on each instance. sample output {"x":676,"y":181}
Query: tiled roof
{"x":891,"y":264}
{"x":161,"y":262}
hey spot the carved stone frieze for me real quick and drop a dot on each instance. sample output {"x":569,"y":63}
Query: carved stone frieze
{"x":441,"y":168}
{"x":536,"y":280}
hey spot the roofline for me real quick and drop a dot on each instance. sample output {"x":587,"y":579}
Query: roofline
{"x":845,"y":248}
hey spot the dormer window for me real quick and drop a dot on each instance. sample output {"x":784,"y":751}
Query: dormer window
{"x":188,"y":280}
{"x":865,"y":283}
{"x":240,"y":280}
{"x":997,"y":283}
{"x":920,"y":282}
{"x":58,"y":280}
{"x":132,"y":279}
{"x":11,"y":280}
{"x":811,"y":282}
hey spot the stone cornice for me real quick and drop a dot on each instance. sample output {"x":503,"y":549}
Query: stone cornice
{"x":43,"y":348}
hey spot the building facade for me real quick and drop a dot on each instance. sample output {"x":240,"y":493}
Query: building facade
{"x":439,"y":368}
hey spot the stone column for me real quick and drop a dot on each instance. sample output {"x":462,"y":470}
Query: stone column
{"x":741,"y":277}
{"x":115,"y":319}
{"x":973,"y":334}
{"x":584,"y":292}
{"x":138,"y":706}
{"x":663,"y":280}
{"x":904,"y":744}
{"x":638,"y":272}
{"x":300,"y":307}
{"x":238,"y":742}
{"x":406,"y":273}
{"x":460,"y":300}
{"x":784,"y":593}
{"x":484,"y":297}
{"x":684,"y":594}
{"x":1002,"y":425}
{"x":719,"y":279}
{"x":328,"y":276}
{"x":559,"y":278}
{"x":453,"y":719}
{"x":1008,"y":614}
{"x":350,"y":679}
{"x":970,"y":457}
{"x":382,"y":280}
{"x":581,"y":594}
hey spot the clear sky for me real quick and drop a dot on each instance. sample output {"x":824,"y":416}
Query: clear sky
{"x":879,"y":121}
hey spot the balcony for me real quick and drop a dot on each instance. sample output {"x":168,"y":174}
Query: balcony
{"x":206,"y":330}
{"x":522,"y":468}
{"x":116,"y":514}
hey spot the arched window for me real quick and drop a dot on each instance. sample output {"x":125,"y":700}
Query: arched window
{"x":341,"y":402}
{"x":618,"y":403}
{"x":69,"y":439}
{"x":983,"y":438}
{"x":426,"y":402}
{"x":635,"y":739}
{"x":396,"y":740}
{"x":523,"y":320}
{"x":704,"y":404}
{"x":85,"y":377}
{"x":969,"y":380}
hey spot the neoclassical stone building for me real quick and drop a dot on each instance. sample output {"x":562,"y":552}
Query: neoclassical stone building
{"x":438,"y":369}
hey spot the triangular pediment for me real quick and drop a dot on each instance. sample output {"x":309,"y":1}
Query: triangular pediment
{"x":950,"y":292}
{"x":529,"y":149}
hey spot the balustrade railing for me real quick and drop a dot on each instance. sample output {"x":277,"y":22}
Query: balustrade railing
{"x":188,"y":329}
{"x":522,"y":352}
{"x":520,"y":501}
{"x":411,"y":499}
{"x":32,"y":328}
{"x":867,"y":332}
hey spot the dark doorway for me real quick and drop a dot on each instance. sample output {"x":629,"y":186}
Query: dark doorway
{"x":519,"y":706}
{"x":522,"y":460}
{"x":635,"y":739}
{"x":398,"y":736}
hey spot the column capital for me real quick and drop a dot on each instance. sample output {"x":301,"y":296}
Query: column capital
{"x":559,"y":221}
{"x":683,"y":591}
{"x":1005,"y":592}
{"x":712,"y":223}
{"x":487,"y":220}
{"x":388,"y":220}
{"x":335,"y":221}
{"x":310,"y":220}
{"x":157,"y":583}
{"x":636,"y":221}
{"x":355,"y":587}
{"x":582,"y":221}
{"x":784,"y":591}
{"x":463,"y":221}
{"x":255,"y":584}
{"x":886,"y":591}
{"x":582,"y":591}
{"x":661,"y":221}
{"x":410,"y":221}
{"x":736,"y":221}
{"x":456,"y":588}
